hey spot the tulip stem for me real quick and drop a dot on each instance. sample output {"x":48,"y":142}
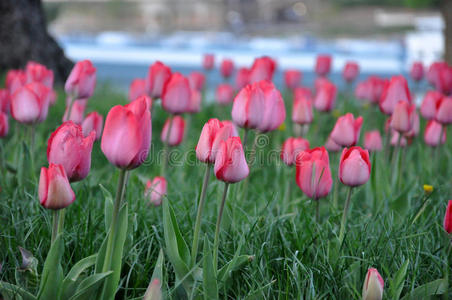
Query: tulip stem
{"x":165,"y":147}
{"x":217,"y":229}
{"x":317,"y":210}
{"x":344,"y":215}
{"x":194,"y":249}
{"x":245,"y":137}
{"x":55,"y":225}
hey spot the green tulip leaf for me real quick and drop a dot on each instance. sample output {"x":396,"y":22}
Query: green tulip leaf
{"x":52,"y":273}
{"x":69,"y":284}
{"x":90,"y":285}
{"x":13,"y":292}
{"x":209,"y":274}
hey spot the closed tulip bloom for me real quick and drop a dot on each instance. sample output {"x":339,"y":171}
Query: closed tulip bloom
{"x":444,"y":111}
{"x":416,"y":124}
{"x":313,"y":174}
{"x":156,"y":190}
{"x":68,"y":147}
{"x":373,"y":141}
{"x":397,"y":140}
{"x":292,"y":78}
{"x":176,"y":94}
{"x":15,"y":79}
{"x":127,"y":134}
{"x":362,"y":90}
{"x":30,"y":103}
{"x":323,"y":65}
{"x":325,"y":96}
{"x":37,"y":72}
{"x":429,"y":103}
{"x":248,"y":106}
{"x":347,"y":129}
{"x":4,"y":101}
{"x":448,"y":218}
{"x":397,"y":90}
{"x":444,"y":81}
{"x":402,"y":118}
{"x":213,"y":132}
{"x":158,"y":76}
{"x":350,"y":71}
{"x":224,"y":94}
{"x":77,"y":112}
{"x":55,"y":192}
{"x":302,"y":92}
{"x":377,"y":87}
{"x":263,"y":68}
{"x":194,"y":105}
{"x":177,"y":132}
{"x":331,"y":145}
{"x":302,"y":110}
{"x":208,"y":61}
{"x":354,"y":166}
{"x":291,"y":148}
{"x":138,"y":88}
{"x":196,"y":80}
{"x":82,"y":80}
{"x":226,"y":67}
{"x":432,"y":133}
{"x":432,"y":74}
{"x":93,"y":122}
{"x":274,"y":109}
{"x":242,"y":78}
{"x":417,"y":71}
{"x":232,"y":126}
{"x":373,"y":285}
{"x":230,"y":163}
{"x":4,"y":126}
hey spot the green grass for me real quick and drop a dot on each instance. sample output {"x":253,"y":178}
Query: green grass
{"x":294,"y":257}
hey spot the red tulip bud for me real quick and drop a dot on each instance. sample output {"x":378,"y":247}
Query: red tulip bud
{"x":93,"y":122}
{"x":373,"y":141}
{"x":274,"y":109}
{"x":82,"y":80}
{"x":77,"y":112}
{"x":292,"y":78}
{"x":177,"y":131}
{"x":138,"y":88}
{"x":263,"y":68}
{"x":242,"y":78}
{"x":354,"y":166}
{"x":224,"y":94}
{"x":373,"y":285}
{"x":429,"y":103}
{"x":55,"y":192}
{"x":350,"y":71}
{"x":30,"y":103}
{"x":444,"y":111}
{"x":402,"y":118}
{"x":156,"y":190}
{"x":417,"y":71}
{"x":397,"y":90}
{"x":208,"y":61}
{"x":176,"y":94}
{"x":230,"y":162}
{"x":158,"y":76}
{"x":248,"y":106}
{"x":36,"y":72}
{"x":323,"y":65}
{"x":346,"y":131}
{"x":4,"y":126}
{"x":291,"y":148}
{"x":196,"y":80}
{"x":325,"y":95}
{"x":432,"y":134}
{"x":226,"y":68}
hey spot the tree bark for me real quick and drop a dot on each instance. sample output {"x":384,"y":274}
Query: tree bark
{"x":24,"y":37}
{"x":446,"y":9}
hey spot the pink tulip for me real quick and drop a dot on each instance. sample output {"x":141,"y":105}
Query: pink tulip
{"x":81,"y":81}
{"x":232,"y":126}
{"x":68,"y":147}
{"x":325,"y":96}
{"x":196,"y":80}
{"x":77,"y":112}
{"x":363,"y":91}
{"x":302,"y":110}
{"x":373,"y":285}
{"x":226,"y":68}
{"x":377,"y":87}
{"x":397,"y":140}
{"x":156,"y":190}
{"x":350,"y":71}
{"x":263,"y":68}
{"x":323,"y":65}
{"x":444,"y":81}
{"x":432,"y":134}
{"x":432,"y":74}
{"x":354,"y":166}
{"x":208,"y":61}
{"x":397,"y":90}
{"x":248,"y":106}
{"x":15,"y":79}
{"x":242,"y":78}
{"x":302,"y":92}
{"x":230,"y":163}
{"x":158,"y":76}
{"x":30,"y":103}
{"x":402,"y":118}
{"x":224,"y":94}
{"x":55,"y":192}
{"x":448,"y":218}
{"x":194,"y":105}
{"x":93,"y":122}
{"x":36,"y":72}
{"x":331,"y":145}
{"x":137,"y":88}
{"x":127,"y":134}
{"x":373,"y":141}
{"x":274,"y":109}
{"x":291,"y":148}
{"x":417,"y":71}
{"x":176,"y":133}
{"x":444,"y":111}
{"x":429,"y":103}
{"x":415,"y":127}
{"x":346,"y":131}
{"x":313,"y":174}
{"x":4,"y":126}
{"x":176,"y":94}
{"x":4,"y":101}
{"x":292,"y":78}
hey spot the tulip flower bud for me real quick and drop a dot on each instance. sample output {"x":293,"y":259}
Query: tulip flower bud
{"x":55,"y":192}
{"x":302,"y":92}
{"x":158,"y":76}
{"x":331,"y":145}
{"x":156,"y":190}
{"x":176,"y":94}
{"x":416,"y":123}
{"x":373,"y":141}
{"x":242,"y":78}
{"x":93,"y":122}
{"x":263,"y":68}
{"x":15,"y":79}
{"x":325,"y":95}
{"x":274,"y":109}
{"x":323,"y":65}
{"x":154,"y":290}
{"x":196,"y":80}
{"x":208,"y":61}
{"x":346,"y":131}
{"x":36,"y":72}
{"x":302,"y":109}
{"x":397,"y":90}
{"x":127,"y":134}
{"x":176,"y":133}
{"x":292,"y":78}
{"x":4,"y":101}
{"x":313,"y":174}
{"x":354,"y":166}
{"x":248,"y":106}
{"x":448,"y":218}
{"x":444,"y":111}
{"x":417,"y":71}
{"x":230,"y":163}
{"x":194,"y":105}
{"x":291,"y":148}
{"x":138,"y":88}
{"x":77,"y":112}
{"x":30,"y":103}
{"x":350,"y":71}
{"x":224,"y":94}
{"x":373,"y":285}
{"x":429,"y":103}
{"x":4,"y":126}
{"x":402,"y":118}
{"x":444,"y":80}
{"x":432,"y":133}
{"x":82,"y":80}
{"x":226,"y":68}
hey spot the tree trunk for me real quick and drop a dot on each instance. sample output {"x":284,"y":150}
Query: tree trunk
{"x":446,"y":9}
{"x":24,"y":37}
